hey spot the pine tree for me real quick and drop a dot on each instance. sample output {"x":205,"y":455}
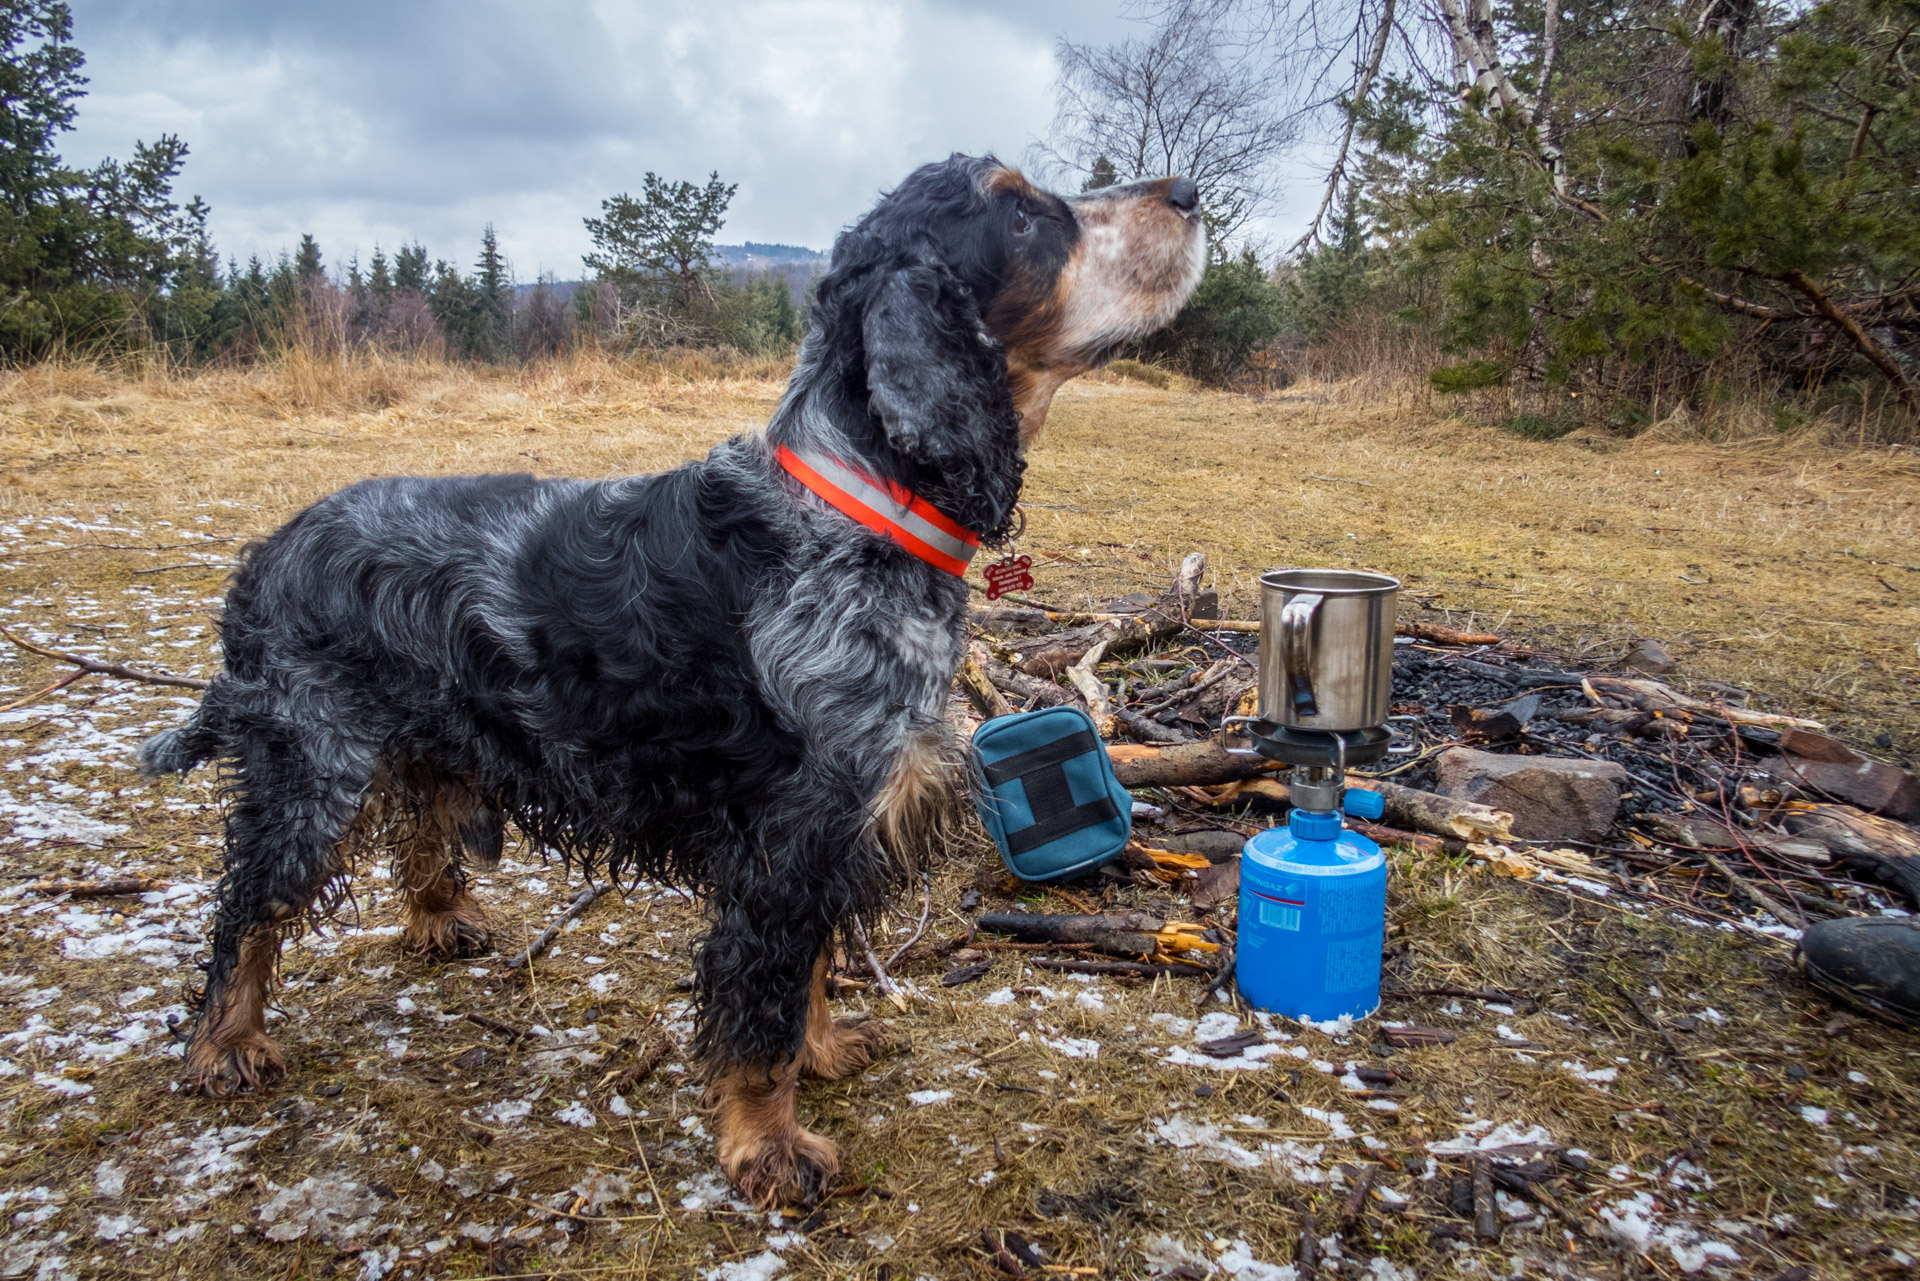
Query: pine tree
{"x":306,"y":260}
{"x":662,"y":239}
{"x":1103,"y":174}
{"x":410,"y":268}
{"x":493,"y":297}
{"x":379,"y":277}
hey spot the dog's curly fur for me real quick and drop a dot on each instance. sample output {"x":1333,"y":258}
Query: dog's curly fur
{"x":705,"y":675}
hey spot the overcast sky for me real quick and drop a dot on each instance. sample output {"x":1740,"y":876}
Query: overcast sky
{"x":364,"y":121}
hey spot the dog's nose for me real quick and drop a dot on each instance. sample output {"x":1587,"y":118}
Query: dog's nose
{"x":1183,"y":195}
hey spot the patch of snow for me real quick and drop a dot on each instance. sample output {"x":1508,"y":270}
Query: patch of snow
{"x":927,"y":1098}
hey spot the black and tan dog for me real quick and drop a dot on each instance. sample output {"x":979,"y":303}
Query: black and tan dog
{"x":732,"y":675}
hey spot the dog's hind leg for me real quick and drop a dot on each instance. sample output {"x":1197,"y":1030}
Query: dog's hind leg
{"x":443,"y":918}
{"x":836,"y":1048}
{"x":292,"y":809}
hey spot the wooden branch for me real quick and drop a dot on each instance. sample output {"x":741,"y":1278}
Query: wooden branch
{"x":1147,"y":730}
{"x":1028,"y":689}
{"x":1444,"y":635}
{"x":926,"y":909}
{"x":1200,"y":764}
{"x":1441,"y":815}
{"x":1141,"y":969}
{"x":1093,"y":689}
{"x":94,"y":667}
{"x":120,"y":888}
{"x":881,"y":979}
{"x":1357,"y":100}
{"x":1868,"y":345}
{"x":1786,"y":916}
{"x":979,"y":688}
{"x":581,"y":902}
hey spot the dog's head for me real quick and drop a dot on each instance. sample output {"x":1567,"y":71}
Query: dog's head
{"x":967,"y":296}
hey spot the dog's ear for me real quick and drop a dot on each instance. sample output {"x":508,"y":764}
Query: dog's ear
{"x":935,"y":379}
{"x":937,"y":384}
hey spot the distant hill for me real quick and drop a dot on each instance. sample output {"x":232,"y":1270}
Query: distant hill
{"x":755,"y":254}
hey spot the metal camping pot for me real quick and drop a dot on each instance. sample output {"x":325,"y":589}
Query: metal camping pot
{"x":1326,"y":648}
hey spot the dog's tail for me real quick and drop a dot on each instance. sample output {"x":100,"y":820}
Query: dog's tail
{"x":178,"y":750}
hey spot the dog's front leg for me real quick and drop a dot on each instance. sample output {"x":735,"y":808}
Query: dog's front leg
{"x":754,"y":979}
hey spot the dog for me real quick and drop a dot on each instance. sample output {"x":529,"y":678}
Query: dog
{"x":731,"y":676}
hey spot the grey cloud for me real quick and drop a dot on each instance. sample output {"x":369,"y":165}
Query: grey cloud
{"x":369,"y":122}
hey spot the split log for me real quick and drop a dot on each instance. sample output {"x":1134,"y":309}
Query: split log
{"x":1698,"y":832}
{"x":1878,"y":847}
{"x":1148,"y":731}
{"x":1200,"y":764}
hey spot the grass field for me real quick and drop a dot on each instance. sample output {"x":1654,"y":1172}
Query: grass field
{"x":410,"y":1142}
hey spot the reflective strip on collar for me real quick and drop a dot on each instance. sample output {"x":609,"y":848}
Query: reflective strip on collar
{"x":883,"y":507}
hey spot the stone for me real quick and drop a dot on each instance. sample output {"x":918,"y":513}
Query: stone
{"x":1651,"y":657}
{"x":1551,"y":798}
{"x":1869,"y":784}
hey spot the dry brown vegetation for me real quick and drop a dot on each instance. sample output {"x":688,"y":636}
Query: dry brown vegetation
{"x":1788,"y":570}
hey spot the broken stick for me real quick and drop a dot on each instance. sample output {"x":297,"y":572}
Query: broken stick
{"x":100,"y":889}
{"x":94,"y":667}
{"x":581,"y":902}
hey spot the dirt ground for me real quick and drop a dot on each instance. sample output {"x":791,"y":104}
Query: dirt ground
{"x":1751,"y":1128}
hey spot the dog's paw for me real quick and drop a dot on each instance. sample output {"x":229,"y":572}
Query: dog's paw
{"x":253,"y":1062}
{"x":849,"y":1047}
{"x":450,"y":936}
{"x":795,"y":1168}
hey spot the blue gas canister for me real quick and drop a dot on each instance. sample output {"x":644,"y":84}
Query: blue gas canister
{"x":1313,"y":916}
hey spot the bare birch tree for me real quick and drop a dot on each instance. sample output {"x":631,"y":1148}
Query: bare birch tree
{"x":1176,"y":101}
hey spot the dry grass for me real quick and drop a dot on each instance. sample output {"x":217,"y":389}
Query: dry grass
{"x":114,"y":479}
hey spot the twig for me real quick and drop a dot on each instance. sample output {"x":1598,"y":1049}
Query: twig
{"x":1357,"y":1199}
{"x":1179,"y":969}
{"x":93,"y":667}
{"x":881,"y":979}
{"x":1486,"y":1216}
{"x":1646,"y":1015}
{"x":926,"y":909}
{"x":100,"y":889}
{"x":1306,"y":1261}
{"x":192,"y":564}
{"x":513,"y":1034}
{"x":1781,"y":914}
{"x":581,"y":902}
{"x":37,"y":695}
{"x":1221,"y":977}
{"x":1337,"y":480}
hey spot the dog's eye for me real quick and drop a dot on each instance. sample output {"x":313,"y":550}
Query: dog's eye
{"x":1022,"y":224}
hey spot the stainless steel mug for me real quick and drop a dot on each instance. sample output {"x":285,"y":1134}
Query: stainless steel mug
{"x":1326,"y":648}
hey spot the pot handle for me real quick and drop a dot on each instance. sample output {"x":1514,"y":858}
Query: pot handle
{"x":1226,"y":727}
{"x":1296,"y":651}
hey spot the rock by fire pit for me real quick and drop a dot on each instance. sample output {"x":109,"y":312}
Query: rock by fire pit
{"x":1551,"y":798}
